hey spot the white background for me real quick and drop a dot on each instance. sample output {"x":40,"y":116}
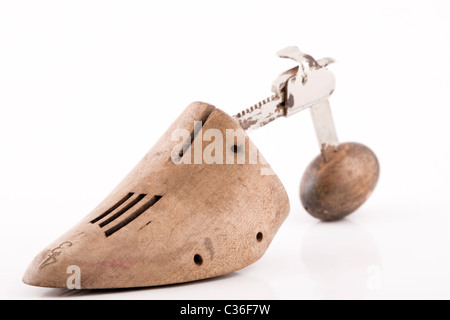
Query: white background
{"x":87,"y":87}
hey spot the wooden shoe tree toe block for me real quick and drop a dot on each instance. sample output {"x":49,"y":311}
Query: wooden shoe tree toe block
{"x":169,"y":223}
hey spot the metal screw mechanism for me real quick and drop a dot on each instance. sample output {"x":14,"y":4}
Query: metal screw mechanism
{"x":306,"y":86}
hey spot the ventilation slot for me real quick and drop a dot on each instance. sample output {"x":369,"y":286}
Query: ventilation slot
{"x":123,"y":210}
{"x":133,"y":216}
{"x":187,"y":145}
{"x":121,"y":207}
{"x":194,"y":134}
{"x":114,"y":207}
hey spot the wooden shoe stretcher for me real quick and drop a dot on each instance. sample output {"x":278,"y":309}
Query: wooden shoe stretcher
{"x":175,"y":219}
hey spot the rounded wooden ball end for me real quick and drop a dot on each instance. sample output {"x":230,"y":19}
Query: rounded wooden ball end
{"x":339,"y":181}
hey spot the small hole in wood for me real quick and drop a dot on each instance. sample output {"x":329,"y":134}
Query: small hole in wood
{"x":198,"y":259}
{"x":236,"y":149}
{"x":259,"y":236}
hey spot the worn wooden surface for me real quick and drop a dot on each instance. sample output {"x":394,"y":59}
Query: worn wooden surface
{"x":338,"y":182}
{"x":188,"y":221}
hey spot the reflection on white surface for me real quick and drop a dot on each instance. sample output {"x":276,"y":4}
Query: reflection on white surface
{"x":341,"y":259}
{"x":232,"y":286}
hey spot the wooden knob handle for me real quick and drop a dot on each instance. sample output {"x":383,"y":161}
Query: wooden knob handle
{"x":339,"y":181}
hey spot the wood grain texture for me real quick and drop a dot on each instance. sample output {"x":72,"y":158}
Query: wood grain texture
{"x":189,"y":221}
{"x":339,"y":181}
